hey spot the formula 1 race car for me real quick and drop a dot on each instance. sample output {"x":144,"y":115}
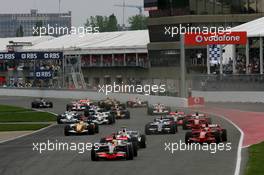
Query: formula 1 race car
{"x":68,"y":117}
{"x":78,"y":105}
{"x":215,"y":128}
{"x":208,"y":134}
{"x":138,"y":140}
{"x":120,"y":112}
{"x":195,"y":121}
{"x":108,"y":103}
{"x":41,"y":103}
{"x":117,"y":149}
{"x":162,"y":125}
{"x":99,"y":116}
{"x":178,"y":116}
{"x":136,"y":103}
{"x":81,"y":128}
{"x":158,"y":109}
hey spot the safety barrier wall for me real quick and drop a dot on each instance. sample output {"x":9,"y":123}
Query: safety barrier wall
{"x":231,"y":96}
{"x":171,"y":101}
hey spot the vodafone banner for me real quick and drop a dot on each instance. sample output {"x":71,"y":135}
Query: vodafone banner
{"x":199,"y":39}
{"x":196,"y":101}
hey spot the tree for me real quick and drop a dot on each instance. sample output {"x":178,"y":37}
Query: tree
{"x":20,"y":31}
{"x":105,"y":24}
{"x":138,"y":22}
{"x":112,"y":24}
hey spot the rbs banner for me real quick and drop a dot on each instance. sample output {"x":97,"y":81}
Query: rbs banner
{"x":199,"y":39}
{"x":30,"y":55}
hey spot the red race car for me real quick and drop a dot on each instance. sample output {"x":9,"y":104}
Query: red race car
{"x":78,"y":105}
{"x":112,"y":150}
{"x":206,"y":134}
{"x":195,"y":121}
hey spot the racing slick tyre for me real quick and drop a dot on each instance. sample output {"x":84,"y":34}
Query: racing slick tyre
{"x":150,"y":111}
{"x":184,"y":125}
{"x":93,"y":155}
{"x":34,"y":105}
{"x":127,"y":115}
{"x":68,"y":107}
{"x":142,"y":143}
{"x":111,"y":119}
{"x":188,"y":135}
{"x":50,"y":105}
{"x":135,"y":146}
{"x":129,"y":152}
{"x":96,"y":128}
{"x":66,"y":130}
{"x":102,"y":140}
{"x":91,"y":129}
{"x":58,"y":119}
{"x":128,"y":104}
{"x":224,"y":135}
{"x":147,"y":132}
{"x":217,"y":137}
{"x":173,"y":129}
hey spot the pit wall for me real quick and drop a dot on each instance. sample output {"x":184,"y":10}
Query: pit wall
{"x":170,"y":101}
{"x":231,"y":96}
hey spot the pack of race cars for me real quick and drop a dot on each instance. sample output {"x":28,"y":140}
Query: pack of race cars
{"x":83,"y":117}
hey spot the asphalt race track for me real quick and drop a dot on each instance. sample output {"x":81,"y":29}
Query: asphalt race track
{"x":18,"y":158}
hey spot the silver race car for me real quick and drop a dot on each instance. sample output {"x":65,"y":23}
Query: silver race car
{"x":161,"y":126}
{"x":68,"y":117}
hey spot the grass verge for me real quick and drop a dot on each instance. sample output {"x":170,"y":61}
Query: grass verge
{"x":21,"y":127}
{"x":256,"y":159}
{"x":30,"y":116}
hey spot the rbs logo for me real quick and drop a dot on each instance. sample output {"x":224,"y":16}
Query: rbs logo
{"x":43,"y":74}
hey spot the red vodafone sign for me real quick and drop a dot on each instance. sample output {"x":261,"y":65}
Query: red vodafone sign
{"x":196,"y":101}
{"x":199,"y":39}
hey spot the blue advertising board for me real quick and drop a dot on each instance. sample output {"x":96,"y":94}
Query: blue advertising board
{"x":30,"y":55}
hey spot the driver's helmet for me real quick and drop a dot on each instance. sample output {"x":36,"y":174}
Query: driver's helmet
{"x":123,"y":132}
{"x":206,"y":129}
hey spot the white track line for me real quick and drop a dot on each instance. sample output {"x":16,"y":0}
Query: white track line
{"x":240,"y":144}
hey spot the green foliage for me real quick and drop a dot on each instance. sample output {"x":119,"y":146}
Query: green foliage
{"x":105,"y":23}
{"x":138,"y":22}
